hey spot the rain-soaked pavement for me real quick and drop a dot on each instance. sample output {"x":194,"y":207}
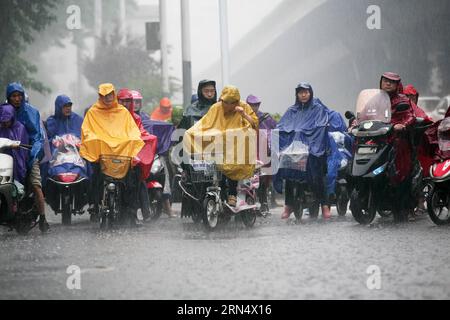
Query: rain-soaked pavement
{"x":176,"y":259}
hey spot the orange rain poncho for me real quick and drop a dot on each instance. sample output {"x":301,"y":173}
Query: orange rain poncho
{"x":228,"y":134}
{"x":164,"y":111}
{"x":109,"y":130}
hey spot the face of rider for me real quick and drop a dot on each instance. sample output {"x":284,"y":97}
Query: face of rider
{"x":67,"y":110}
{"x":137,"y":105}
{"x":388,"y":85}
{"x":209,"y":92}
{"x":16,"y":99}
{"x":126,"y":103}
{"x":229,"y":106}
{"x":255,"y":106}
{"x":304,"y":96}
{"x":6,"y":124}
{"x":107,"y":100}
{"x":413,"y":98}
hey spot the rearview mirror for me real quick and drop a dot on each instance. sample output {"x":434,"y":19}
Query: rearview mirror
{"x":349,"y":115}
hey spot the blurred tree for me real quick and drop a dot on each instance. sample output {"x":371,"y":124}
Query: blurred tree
{"x":128,"y":66}
{"x":177,"y":115}
{"x":23,"y":19}
{"x":276,"y":117}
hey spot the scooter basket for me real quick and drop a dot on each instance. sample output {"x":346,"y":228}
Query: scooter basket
{"x":204,"y":171}
{"x":115,"y":167}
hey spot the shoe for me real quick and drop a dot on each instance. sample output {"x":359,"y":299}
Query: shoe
{"x":43,"y":224}
{"x":287,"y":212}
{"x":326,"y":212}
{"x":265,"y":210}
{"x":232,"y":201}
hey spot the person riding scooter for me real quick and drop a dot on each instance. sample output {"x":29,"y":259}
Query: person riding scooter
{"x":304,"y":129}
{"x":228,"y":116}
{"x":11,"y":129}
{"x":266,"y":125}
{"x":110,"y":130}
{"x":30,"y":117}
{"x":66,"y":171}
{"x":164,"y":131}
{"x":207,"y":96}
{"x":338,"y":162}
{"x":403,"y":118}
{"x":146,"y":155}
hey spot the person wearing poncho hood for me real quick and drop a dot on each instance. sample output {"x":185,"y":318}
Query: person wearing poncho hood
{"x":146,"y":155}
{"x":12,"y":129}
{"x":29,"y":116}
{"x":424,"y":149}
{"x":206,"y":97}
{"x":164,"y":111}
{"x":403,"y":117}
{"x":306,"y":121}
{"x":266,"y":125}
{"x":229,"y":116}
{"x":110,"y":129}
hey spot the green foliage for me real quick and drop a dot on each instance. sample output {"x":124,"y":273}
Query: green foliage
{"x":21,"y":20}
{"x":276,"y":117}
{"x":177,"y":115}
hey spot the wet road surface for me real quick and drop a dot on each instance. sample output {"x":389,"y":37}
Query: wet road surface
{"x":177,"y":259}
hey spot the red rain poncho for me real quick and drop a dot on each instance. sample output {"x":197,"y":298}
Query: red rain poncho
{"x":400,"y":140}
{"x":147,"y":154}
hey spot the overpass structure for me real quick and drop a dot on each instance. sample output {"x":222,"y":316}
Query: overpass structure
{"x":329,"y":44}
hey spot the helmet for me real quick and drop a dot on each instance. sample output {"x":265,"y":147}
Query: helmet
{"x":124,"y":94}
{"x":136,"y":95}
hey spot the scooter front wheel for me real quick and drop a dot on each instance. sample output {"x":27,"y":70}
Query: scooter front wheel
{"x":24,"y":223}
{"x":249,"y":216}
{"x":361,"y":215}
{"x":298,"y":211}
{"x":210,"y":213}
{"x":438,"y":208}
{"x":156,"y":206}
{"x":66,"y":211}
{"x":314,"y":210}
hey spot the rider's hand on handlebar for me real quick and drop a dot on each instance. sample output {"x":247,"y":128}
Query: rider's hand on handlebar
{"x":399,"y":127}
{"x":240,"y":110}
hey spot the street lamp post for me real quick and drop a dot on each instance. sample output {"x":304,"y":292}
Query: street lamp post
{"x":186,"y":52}
{"x":164,"y":53}
{"x":224,"y":45}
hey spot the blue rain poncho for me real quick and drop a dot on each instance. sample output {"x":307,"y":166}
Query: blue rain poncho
{"x":64,"y":134}
{"x":58,"y":124}
{"x":29,"y":116}
{"x":302,"y":130}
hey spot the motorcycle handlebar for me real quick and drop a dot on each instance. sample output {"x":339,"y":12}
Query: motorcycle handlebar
{"x":26,"y":146}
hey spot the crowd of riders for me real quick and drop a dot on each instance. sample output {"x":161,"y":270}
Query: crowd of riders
{"x":117,"y":125}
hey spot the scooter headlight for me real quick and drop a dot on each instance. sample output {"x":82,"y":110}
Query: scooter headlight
{"x":111,"y":187}
{"x":378,"y":171}
{"x":156,"y":167}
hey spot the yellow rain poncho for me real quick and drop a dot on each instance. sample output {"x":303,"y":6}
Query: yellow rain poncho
{"x":228,"y":134}
{"x":109,"y":130}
